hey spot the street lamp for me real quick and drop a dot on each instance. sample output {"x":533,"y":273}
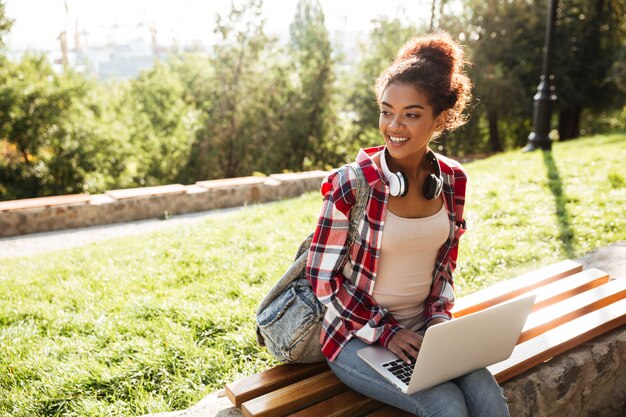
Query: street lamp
{"x":542,"y":111}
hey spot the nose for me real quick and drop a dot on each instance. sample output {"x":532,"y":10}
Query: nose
{"x":395,"y":122}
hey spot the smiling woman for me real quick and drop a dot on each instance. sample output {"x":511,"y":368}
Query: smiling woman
{"x":389,"y":286}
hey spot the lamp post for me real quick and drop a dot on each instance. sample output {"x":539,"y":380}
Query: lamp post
{"x":542,"y":109}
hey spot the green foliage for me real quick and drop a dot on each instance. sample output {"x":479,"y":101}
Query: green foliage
{"x":592,"y":34}
{"x":154,"y":322}
{"x":240,"y":102}
{"x":253,"y":104}
{"x":310,"y":113}
{"x":5,"y":23}
{"x":49,"y":131}
{"x":506,"y":40}
{"x":162,"y":126}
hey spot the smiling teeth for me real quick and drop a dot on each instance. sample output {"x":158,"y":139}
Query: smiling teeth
{"x":396,"y":139}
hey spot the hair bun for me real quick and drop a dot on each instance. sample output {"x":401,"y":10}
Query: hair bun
{"x":434,"y":65}
{"x":438,"y":48}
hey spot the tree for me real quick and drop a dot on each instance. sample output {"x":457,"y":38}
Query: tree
{"x":590,"y":37}
{"x":311,"y":114}
{"x":241,"y":98}
{"x":162,"y":127}
{"x":5,"y":23}
{"x":504,"y":46}
{"x":51,"y":132}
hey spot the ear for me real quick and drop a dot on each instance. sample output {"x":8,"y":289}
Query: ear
{"x":440,"y":121}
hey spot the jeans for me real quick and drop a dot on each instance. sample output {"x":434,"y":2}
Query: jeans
{"x":475,"y":394}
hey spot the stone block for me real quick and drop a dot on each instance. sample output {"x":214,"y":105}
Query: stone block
{"x":587,"y":381}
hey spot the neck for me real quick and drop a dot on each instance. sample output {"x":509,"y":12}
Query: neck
{"x":411,"y":165}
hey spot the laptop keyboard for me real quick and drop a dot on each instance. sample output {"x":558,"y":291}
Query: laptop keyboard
{"x":400,"y":369}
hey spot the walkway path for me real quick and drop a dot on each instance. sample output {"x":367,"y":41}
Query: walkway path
{"x":62,"y":239}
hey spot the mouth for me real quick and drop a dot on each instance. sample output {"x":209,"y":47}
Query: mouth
{"x":397,"y":139}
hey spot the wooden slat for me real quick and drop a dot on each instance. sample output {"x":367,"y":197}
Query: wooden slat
{"x":388,"y":411}
{"x":572,"y":308}
{"x":294,"y":397}
{"x":147,"y":191}
{"x":567,"y":287}
{"x":559,"y":340}
{"x":507,"y":290}
{"x":42,"y":202}
{"x":272,"y":379}
{"x":347,"y":404}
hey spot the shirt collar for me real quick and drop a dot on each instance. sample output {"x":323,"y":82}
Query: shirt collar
{"x":371,"y":171}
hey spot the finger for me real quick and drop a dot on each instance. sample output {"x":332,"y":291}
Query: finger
{"x":400,"y":353}
{"x":417,"y":342}
{"x":411,"y":352}
{"x":414,"y":341}
{"x":406,"y":352}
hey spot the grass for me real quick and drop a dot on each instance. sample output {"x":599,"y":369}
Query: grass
{"x":154,"y":322}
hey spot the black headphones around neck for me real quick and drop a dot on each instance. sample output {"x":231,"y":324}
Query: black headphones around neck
{"x":399,"y":183}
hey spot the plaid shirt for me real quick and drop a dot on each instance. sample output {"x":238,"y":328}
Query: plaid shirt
{"x":345,"y":284}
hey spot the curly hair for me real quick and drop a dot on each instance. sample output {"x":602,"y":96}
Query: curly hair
{"x":434,"y":65}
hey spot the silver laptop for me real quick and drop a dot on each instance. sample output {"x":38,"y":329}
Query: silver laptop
{"x":456,"y":347}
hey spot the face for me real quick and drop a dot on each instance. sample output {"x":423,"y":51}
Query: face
{"x":406,"y":121}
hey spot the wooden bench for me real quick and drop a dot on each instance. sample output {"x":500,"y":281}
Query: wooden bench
{"x":572,"y":306}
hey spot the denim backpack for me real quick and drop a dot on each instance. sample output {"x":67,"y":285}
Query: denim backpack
{"x":289,"y":318}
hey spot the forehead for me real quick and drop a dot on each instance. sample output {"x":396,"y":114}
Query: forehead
{"x":402,"y":95}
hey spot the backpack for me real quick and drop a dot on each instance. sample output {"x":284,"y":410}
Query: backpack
{"x":289,"y":318}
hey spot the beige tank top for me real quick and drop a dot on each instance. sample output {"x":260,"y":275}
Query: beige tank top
{"x":408,"y":254}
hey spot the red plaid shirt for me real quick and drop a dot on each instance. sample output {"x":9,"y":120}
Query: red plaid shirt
{"x":345,"y":285}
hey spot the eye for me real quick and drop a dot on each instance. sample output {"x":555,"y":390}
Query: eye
{"x":412,"y":115}
{"x":384,"y":112}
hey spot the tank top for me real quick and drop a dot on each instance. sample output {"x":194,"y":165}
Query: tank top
{"x":408,"y":254}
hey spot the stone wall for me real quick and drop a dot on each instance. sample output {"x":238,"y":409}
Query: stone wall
{"x":587,"y":381}
{"x":117,"y":206}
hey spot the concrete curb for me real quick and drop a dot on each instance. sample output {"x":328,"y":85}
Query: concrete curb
{"x":213,"y":405}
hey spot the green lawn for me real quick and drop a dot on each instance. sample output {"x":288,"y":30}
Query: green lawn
{"x":154,"y":322}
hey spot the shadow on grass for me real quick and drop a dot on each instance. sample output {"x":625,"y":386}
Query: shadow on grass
{"x":566,"y":234}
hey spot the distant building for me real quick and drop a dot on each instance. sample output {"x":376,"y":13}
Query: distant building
{"x":122,"y":61}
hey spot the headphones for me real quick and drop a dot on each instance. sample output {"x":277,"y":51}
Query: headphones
{"x":399,"y":183}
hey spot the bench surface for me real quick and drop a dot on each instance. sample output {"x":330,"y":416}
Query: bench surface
{"x":572,"y":306}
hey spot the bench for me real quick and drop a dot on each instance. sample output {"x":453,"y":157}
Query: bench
{"x":572,"y":307}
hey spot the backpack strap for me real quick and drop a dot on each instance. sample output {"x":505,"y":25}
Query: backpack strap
{"x":358,"y":211}
{"x":296,"y":269}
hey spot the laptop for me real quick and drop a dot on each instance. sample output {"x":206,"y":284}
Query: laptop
{"x":456,"y":347}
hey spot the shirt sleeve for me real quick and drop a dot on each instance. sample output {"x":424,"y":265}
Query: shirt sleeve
{"x":441,"y":298}
{"x":360,"y":314}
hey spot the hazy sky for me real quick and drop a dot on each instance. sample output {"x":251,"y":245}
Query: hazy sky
{"x":39,"y":22}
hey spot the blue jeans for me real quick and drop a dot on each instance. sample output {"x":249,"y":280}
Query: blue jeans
{"x":475,"y":394}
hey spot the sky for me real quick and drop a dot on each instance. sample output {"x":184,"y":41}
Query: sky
{"x":39,"y":22}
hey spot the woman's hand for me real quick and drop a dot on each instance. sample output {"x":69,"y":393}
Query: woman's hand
{"x":406,"y":344}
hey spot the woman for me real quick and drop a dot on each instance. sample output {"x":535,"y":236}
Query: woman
{"x":396,"y":279}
